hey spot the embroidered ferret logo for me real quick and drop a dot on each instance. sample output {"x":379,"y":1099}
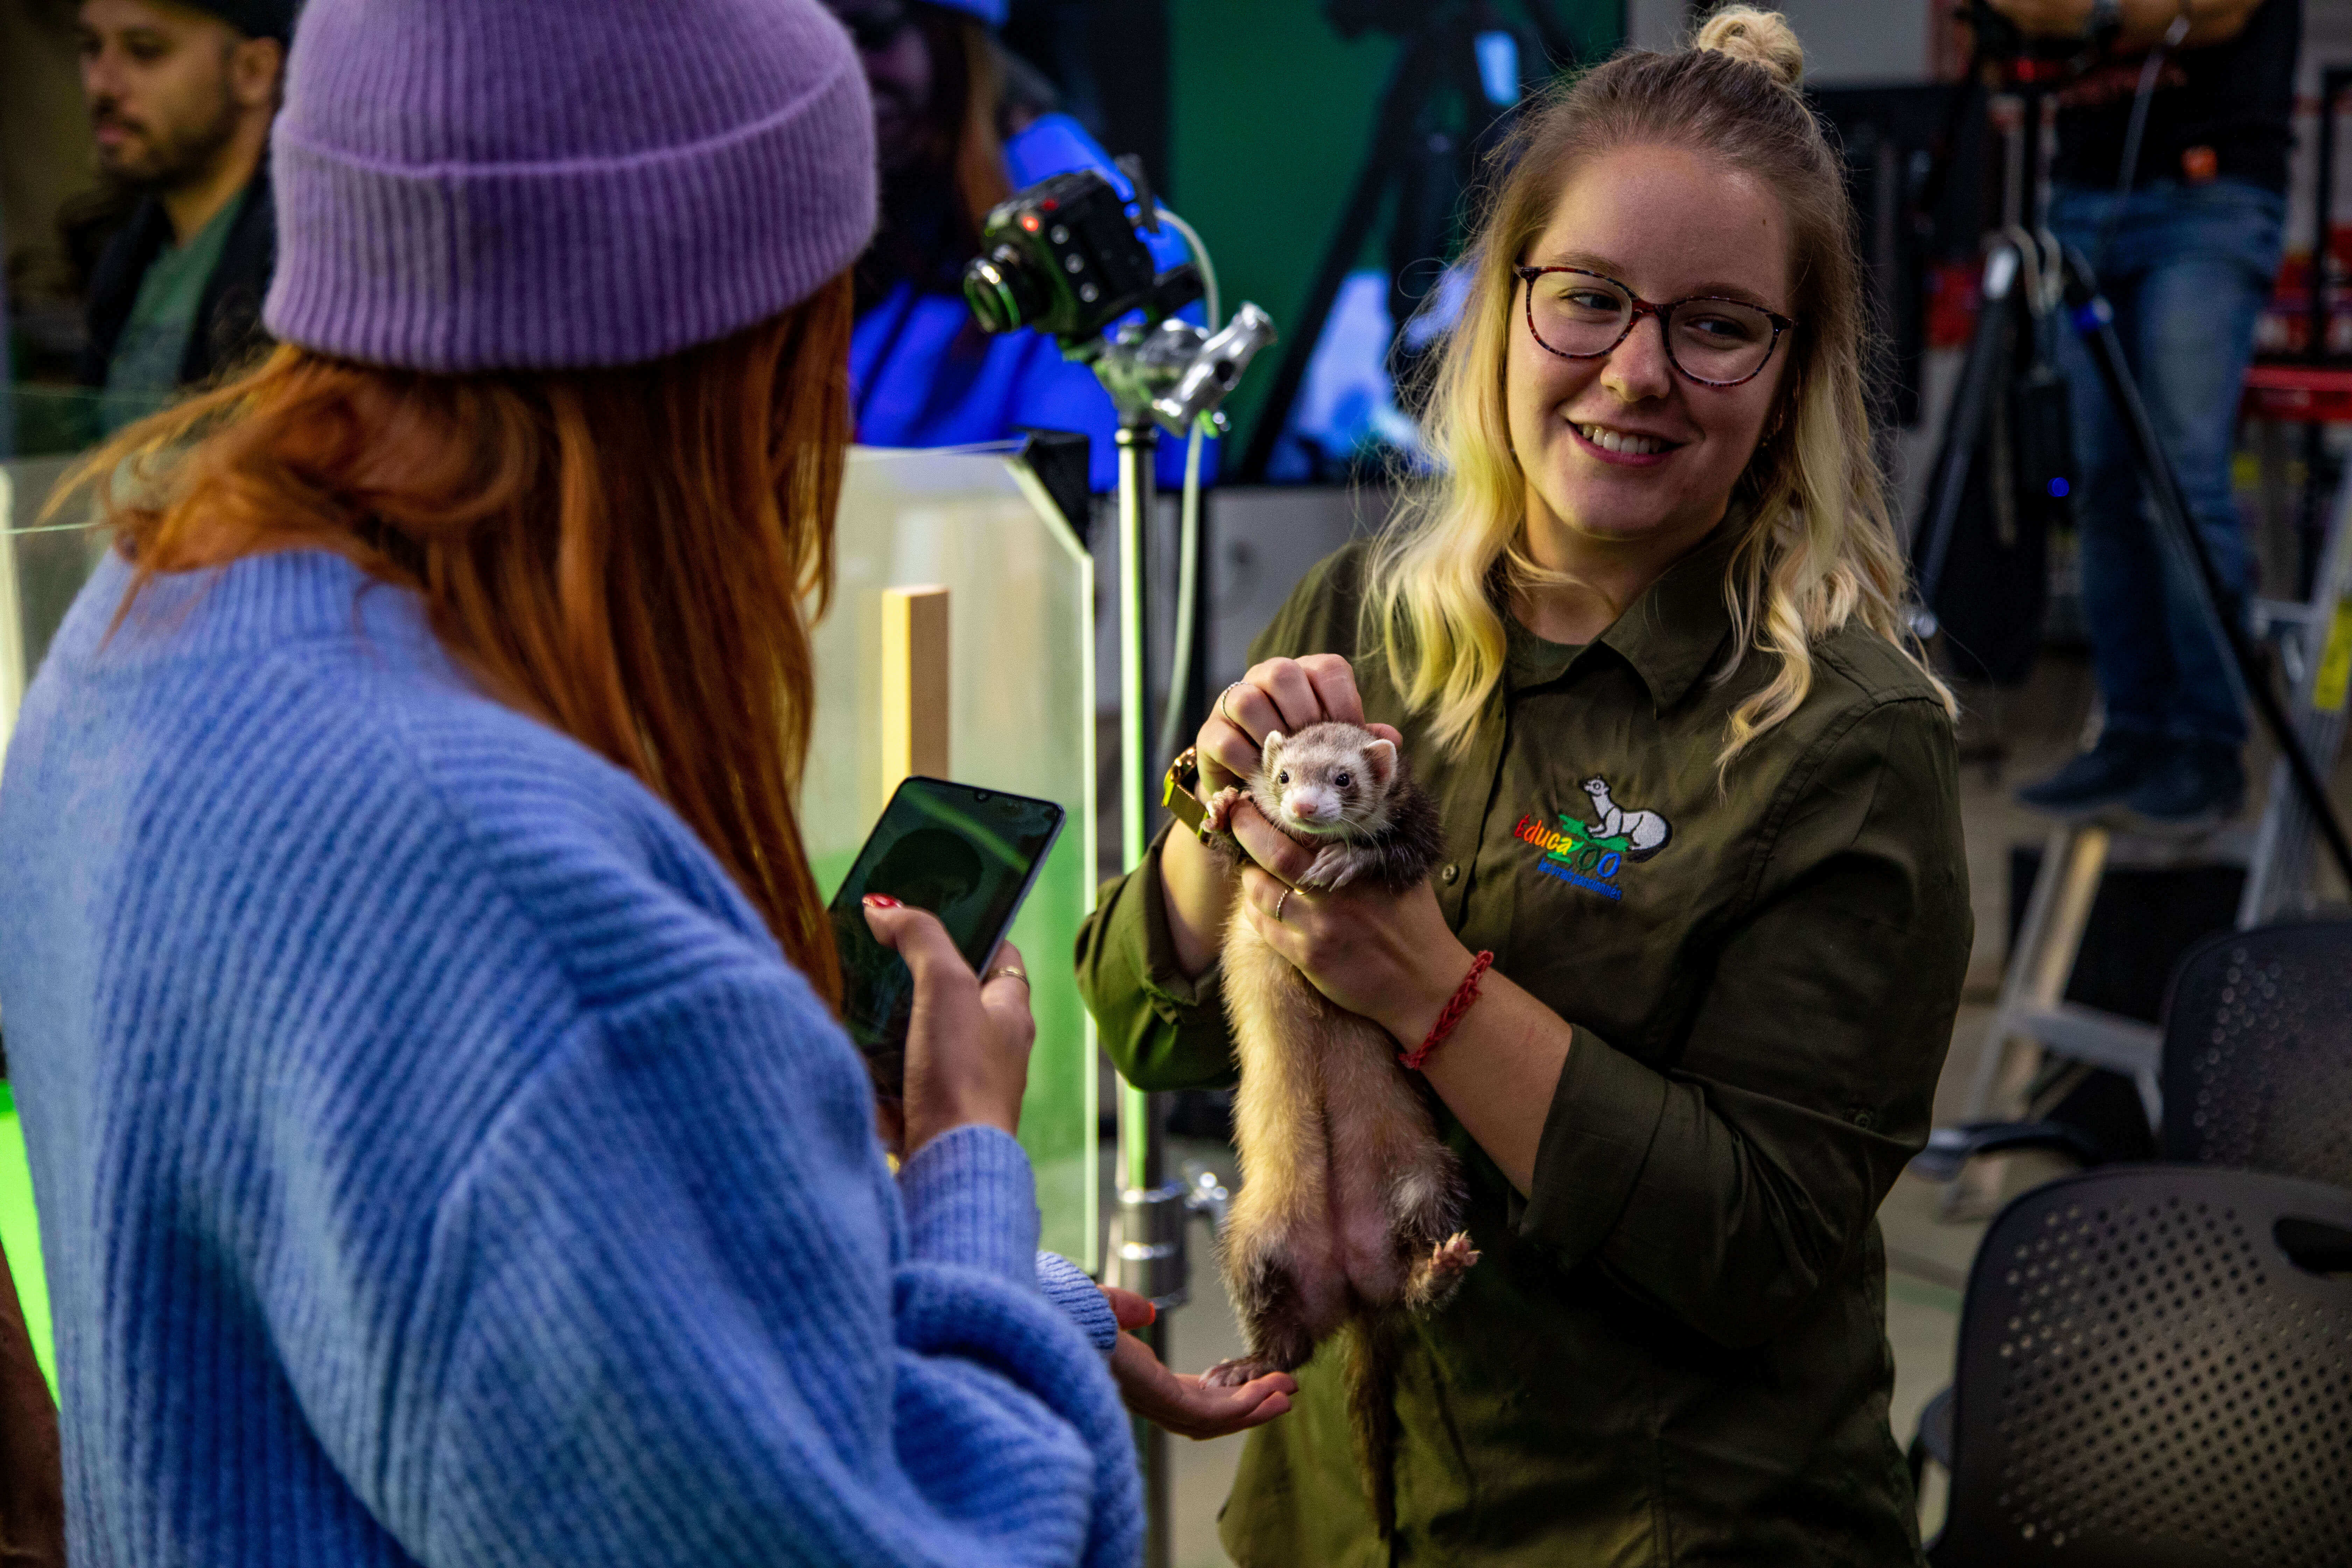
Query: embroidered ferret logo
{"x":1589,"y":855}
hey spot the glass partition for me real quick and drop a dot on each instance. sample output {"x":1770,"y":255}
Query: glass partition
{"x":43,"y":564}
{"x":1021,"y":718}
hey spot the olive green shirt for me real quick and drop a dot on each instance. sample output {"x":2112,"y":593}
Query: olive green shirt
{"x":1674,"y":1350}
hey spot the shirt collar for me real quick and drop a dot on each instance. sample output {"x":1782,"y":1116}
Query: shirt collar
{"x":1532,"y":660}
{"x":1675,"y":630}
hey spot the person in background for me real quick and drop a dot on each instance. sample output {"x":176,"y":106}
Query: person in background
{"x":959,"y":125}
{"x":2187,"y":256}
{"x":420,"y":1007}
{"x":182,"y":94}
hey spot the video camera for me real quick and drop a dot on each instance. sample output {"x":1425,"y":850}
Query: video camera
{"x":1064,"y":257}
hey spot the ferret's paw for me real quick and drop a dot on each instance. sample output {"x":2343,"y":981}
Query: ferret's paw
{"x":1455,"y":1255}
{"x":1334,"y":868}
{"x":1219,"y":810}
{"x":1234,"y":1373}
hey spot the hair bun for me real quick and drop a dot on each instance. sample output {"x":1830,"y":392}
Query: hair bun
{"x":1759,"y":37}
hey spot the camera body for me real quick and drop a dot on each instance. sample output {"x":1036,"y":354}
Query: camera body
{"x":1062,"y":257}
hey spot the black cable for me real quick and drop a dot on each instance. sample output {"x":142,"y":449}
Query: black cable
{"x":2136,"y":130}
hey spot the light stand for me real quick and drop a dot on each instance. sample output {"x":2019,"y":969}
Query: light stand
{"x":1169,"y":375}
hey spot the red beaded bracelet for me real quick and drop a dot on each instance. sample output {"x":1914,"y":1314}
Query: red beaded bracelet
{"x":1455,"y":1005}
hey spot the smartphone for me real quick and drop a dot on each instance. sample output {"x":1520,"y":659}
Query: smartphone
{"x":968,"y":855}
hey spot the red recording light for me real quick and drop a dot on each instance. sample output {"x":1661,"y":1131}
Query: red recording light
{"x":1049,"y":203}
{"x":1029,"y":222}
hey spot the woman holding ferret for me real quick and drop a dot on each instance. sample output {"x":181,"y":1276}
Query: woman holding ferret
{"x":1642,"y":643}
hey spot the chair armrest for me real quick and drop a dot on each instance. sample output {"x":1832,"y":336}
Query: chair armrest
{"x":1950,"y":1149}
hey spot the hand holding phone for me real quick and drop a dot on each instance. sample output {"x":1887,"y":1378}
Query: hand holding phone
{"x":967,"y":856}
{"x":967,"y":1043}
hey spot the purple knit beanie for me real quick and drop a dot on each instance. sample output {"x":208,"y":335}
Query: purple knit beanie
{"x":543,"y":184}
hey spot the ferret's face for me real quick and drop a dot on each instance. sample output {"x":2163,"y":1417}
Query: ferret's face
{"x":1325,"y":779}
{"x":1316,"y":791}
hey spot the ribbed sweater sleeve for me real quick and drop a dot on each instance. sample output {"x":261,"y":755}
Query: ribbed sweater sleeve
{"x":675,"y":1340}
{"x":970,"y":1198}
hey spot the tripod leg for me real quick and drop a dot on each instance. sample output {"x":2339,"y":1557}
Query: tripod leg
{"x":1979,"y":383}
{"x":2095,"y":320}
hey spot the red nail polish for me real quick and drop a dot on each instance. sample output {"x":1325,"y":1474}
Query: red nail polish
{"x":881,"y":900}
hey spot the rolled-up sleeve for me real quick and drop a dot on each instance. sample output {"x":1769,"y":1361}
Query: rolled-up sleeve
{"x":1732,"y":1185}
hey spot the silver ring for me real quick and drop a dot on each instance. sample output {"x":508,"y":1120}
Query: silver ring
{"x":1228,"y":717}
{"x":1020,"y":974}
{"x":1281,"y":901}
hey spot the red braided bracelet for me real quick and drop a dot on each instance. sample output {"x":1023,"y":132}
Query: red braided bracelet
{"x":1455,"y":1005}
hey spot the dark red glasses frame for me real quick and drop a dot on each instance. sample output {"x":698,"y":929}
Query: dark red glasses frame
{"x":1666,"y":314}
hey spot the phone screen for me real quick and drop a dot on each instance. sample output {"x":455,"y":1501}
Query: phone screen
{"x":968,"y":856}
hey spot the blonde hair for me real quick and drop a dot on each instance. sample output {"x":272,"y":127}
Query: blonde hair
{"x":1817,"y":549}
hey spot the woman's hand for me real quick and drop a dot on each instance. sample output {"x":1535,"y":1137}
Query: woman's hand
{"x":967,"y":1043}
{"x":1180,"y":1404}
{"x":1389,"y":956}
{"x":1284,"y":694}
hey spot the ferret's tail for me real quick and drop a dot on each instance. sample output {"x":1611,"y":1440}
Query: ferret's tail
{"x":1375,"y":1350}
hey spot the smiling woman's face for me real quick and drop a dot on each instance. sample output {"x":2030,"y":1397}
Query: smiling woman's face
{"x":1625,"y":450}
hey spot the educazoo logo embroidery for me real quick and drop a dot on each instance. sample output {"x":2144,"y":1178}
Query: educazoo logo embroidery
{"x":1589,"y":855}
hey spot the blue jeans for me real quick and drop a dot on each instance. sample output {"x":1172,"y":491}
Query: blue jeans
{"x":2186,"y":268}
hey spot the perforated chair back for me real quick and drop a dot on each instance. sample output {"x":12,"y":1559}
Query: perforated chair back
{"x":2149,"y":1378}
{"x":2257,"y":1069}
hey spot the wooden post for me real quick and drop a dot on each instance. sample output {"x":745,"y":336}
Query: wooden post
{"x":914,"y":684}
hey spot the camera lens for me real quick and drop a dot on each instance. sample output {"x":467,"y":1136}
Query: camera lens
{"x":1003,"y":290}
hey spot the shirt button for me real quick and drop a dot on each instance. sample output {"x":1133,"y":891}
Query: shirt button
{"x":1864,"y":1120}
{"x":1451,"y":872}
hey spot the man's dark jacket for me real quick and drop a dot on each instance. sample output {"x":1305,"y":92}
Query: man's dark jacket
{"x":229,"y":317}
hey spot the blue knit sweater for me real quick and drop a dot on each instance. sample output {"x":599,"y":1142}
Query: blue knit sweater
{"x":439,"y":1162}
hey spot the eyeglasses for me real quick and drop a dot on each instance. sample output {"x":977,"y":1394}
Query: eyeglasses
{"x":1577,"y":314}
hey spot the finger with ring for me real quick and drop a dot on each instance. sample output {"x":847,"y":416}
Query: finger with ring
{"x":1007,"y":970}
{"x":1281,"y":901}
{"x":1223,"y":712}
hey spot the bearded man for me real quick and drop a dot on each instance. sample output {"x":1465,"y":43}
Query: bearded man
{"x":181,"y":94}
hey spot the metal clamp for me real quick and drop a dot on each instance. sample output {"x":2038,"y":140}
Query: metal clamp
{"x":1148,"y":1256}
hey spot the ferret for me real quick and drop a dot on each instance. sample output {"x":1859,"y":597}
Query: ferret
{"x":1350,"y":1208}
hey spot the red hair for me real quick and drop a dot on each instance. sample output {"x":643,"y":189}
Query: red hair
{"x":633,"y":556}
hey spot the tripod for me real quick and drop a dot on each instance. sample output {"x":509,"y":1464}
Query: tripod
{"x":2187,"y":554}
{"x":1423,"y":164}
{"x":2007,"y":451}
{"x":2026,"y":270}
